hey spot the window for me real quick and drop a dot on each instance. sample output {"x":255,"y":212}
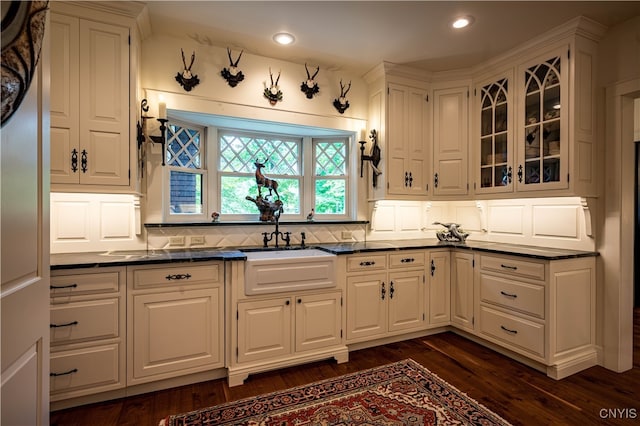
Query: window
{"x":324,"y":189}
{"x":311,"y":172}
{"x":186,"y":172}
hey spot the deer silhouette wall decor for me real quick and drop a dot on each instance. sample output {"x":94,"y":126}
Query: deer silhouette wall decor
{"x":232,"y":74}
{"x":185,"y":78}
{"x":341,"y":103}
{"x":309,"y":86}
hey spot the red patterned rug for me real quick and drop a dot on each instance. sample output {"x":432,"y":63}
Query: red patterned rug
{"x":402,"y":393}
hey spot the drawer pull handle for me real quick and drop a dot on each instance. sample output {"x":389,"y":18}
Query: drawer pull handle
{"x":384,"y":291}
{"x":508,"y":294}
{"x":59,"y":287}
{"x":178,"y":277}
{"x":391,"y":290}
{"x":368,"y":263}
{"x":69,"y":324}
{"x":433,"y":268}
{"x":509,"y":330}
{"x":66,"y":373}
{"x":513,"y":268}
{"x":407,"y":260}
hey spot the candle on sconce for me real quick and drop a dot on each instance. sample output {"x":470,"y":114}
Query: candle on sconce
{"x":162,"y":110}
{"x":363,"y":134}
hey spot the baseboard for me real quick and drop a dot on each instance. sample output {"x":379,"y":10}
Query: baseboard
{"x":571,"y":366}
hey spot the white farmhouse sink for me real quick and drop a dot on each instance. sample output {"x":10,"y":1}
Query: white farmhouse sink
{"x":281,"y":271}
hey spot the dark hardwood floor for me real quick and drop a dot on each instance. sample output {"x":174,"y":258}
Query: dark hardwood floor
{"x":518,"y":393}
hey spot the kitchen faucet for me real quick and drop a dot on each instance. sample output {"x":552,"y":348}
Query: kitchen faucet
{"x":286,"y":236}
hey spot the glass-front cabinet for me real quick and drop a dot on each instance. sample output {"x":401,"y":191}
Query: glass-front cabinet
{"x":542,"y":142}
{"x":495,"y":151}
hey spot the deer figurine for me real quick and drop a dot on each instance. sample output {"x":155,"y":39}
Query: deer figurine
{"x":264,"y":181}
{"x":186,"y":79}
{"x":310,"y":87}
{"x":232,"y":74}
{"x":273,"y":92}
{"x":341,"y":103}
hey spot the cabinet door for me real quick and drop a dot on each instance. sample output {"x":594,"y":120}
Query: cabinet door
{"x":264,"y":329}
{"x":462,"y":291}
{"x":543,"y":135}
{"x":318,"y":321}
{"x":406,"y":300}
{"x":450,"y":141}
{"x":175,"y":332}
{"x":493,"y":140}
{"x":65,"y":99}
{"x":104,"y":104}
{"x":439,"y":288}
{"x":407,"y":127}
{"x":366,"y":306}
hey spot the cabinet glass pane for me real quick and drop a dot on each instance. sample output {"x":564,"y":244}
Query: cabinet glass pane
{"x":501,"y":176}
{"x":542,"y":122}
{"x":493,"y":132}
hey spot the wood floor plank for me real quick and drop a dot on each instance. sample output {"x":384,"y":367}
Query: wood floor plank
{"x":516,"y":392}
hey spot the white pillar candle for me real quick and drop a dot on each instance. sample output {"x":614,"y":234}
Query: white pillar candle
{"x":162,"y":110}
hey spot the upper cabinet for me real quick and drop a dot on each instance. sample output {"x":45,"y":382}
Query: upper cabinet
{"x":534,"y":121}
{"x":400,"y":112}
{"x":91,"y":90}
{"x":451,"y":140}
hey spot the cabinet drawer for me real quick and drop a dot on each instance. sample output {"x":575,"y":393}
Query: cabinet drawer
{"x":96,"y":319}
{"x":95,"y":368}
{"x":371,"y":262}
{"x":71,"y":284}
{"x":512,"y":266}
{"x":407,"y":259}
{"x":183,"y":274}
{"x":525,"y":297}
{"x":518,"y":332}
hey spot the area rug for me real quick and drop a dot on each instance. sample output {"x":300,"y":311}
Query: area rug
{"x":402,"y":393}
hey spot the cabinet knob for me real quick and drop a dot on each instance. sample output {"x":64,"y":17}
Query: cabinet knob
{"x":287,"y":302}
{"x":435,"y":180}
{"x":299,"y":300}
{"x":433,"y":267}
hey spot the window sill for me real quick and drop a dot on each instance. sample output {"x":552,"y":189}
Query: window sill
{"x":255,"y":223}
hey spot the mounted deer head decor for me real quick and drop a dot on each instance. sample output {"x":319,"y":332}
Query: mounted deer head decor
{"x":232,"y":74}
{"x":341,"y":103}
{"x":273,"y":92}
{"x":310,"y":87}
{"x":185,"y":78}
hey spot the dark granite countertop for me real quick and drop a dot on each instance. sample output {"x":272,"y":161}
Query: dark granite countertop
{"x":144,"y":257}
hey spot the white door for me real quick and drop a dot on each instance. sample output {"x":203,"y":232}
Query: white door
{"x":24,"y":249}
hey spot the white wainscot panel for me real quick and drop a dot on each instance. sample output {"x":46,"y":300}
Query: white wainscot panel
{"x":556,"y":221}
{"x":468,"y":217}
{"x":436,"y":212}
{"x":506,"y":219}
{"x":383,"y":218}
{"x":72,"y":220}
{"x":409,"y":218}
{"x":116,"y":221}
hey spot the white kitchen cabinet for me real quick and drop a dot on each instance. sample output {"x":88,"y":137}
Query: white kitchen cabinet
{"x":535,"y":126}
{"x":439,"y":287}
{"x":268,"y":331}
{"x":400,"y":111}
{"x":385,"y":294}
{"x":407,"y":141}
{"x":543,"y":310}
{"x":90,"y":98}
{"x":492,"y":141}
{"x":175,"y":320}
{"x":451,"y":140}
{"x":87,"y":330}
{"x":462,"y":290}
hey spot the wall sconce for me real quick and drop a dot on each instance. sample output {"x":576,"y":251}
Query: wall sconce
{"x":374,"y":157}
{"x":162,"y":112}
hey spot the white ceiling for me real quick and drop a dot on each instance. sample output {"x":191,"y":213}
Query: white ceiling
{"x":355,"y":36}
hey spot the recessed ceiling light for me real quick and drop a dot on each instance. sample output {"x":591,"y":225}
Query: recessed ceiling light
{"x":463,"y":21}
{"x":284,"y":38}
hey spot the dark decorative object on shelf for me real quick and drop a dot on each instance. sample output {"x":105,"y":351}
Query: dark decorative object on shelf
{"x":341,"y":103}
{"x":310,"y":87}
{"x":141,"y":126}
{"x":185,"y":78}
{"x":232,"y":74}
{"x":162,"y":138}
{"x":374,"y":157}
{"x":23,"y":25}
{"x":215,"y":216}
{"x":310,"y":216}
{"x":269,"y":210}
{"x":273,"y":92}
{"x":453,"y":233}
{"x":263,"y":181}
